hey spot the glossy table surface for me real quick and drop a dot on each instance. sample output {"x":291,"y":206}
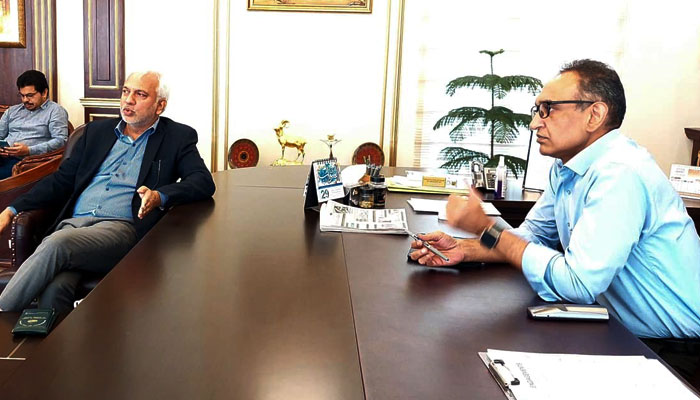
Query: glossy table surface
{"x":243,"y":297}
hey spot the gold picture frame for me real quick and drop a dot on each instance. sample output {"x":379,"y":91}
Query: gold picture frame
{"x":356,"y":6}
{"x":13,"y":32}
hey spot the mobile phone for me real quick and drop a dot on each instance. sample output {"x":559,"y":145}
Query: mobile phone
{"x":584,"y":312}
{"x":3,"y":143}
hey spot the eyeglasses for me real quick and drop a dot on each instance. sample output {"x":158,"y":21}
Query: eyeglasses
{"x":27,"y":96}
{"x":545,"y":107}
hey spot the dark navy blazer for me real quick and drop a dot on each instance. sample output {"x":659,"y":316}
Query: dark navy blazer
{"x":171,"y":154}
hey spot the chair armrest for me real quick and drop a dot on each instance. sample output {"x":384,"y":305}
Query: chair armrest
{"x":28,"y":230}
{"x":34,"y":161}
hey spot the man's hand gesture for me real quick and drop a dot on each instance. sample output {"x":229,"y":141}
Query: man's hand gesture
{"x":448,"y":245}
{"x":467,"y":215}
{"x":17,"y":150}
{"x":150,"y":199}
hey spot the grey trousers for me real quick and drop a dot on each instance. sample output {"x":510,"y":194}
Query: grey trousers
{"x":83,"y":244}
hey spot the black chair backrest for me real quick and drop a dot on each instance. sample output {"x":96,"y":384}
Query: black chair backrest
{"x":72,"y":139}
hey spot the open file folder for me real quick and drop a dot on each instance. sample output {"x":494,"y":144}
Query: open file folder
{"x":540,"y":376}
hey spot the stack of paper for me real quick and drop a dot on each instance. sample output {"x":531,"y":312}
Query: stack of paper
{"x":404,"y":184}
{"x":336,"y":217}
{"x":439,"y":206}
{"x":572,"y":376}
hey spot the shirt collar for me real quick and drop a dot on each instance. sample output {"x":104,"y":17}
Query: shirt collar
{"x":583,"y":160}
{"x":119,"y":129}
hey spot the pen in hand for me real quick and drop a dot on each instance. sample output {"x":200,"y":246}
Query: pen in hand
{"x":428,"y":246}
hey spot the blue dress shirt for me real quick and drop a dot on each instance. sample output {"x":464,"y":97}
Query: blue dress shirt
{"x":42,"y":130}
{"x":627,"y":238}
{"x":111,"y":190}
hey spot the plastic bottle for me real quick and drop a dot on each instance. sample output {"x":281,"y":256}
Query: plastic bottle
{"x":500,"y":178}
{"x":464,"y":178}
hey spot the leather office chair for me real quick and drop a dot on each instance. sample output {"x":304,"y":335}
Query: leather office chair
{"x":28,"y":227}
{"x":30,"y":162}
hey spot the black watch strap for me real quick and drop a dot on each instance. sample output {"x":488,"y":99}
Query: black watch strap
{"x":489,"y":237}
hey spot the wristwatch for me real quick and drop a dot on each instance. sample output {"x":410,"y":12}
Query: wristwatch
{"x":489,"y":237}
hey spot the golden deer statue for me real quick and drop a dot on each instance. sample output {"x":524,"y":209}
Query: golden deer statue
{"x":290,"y":141}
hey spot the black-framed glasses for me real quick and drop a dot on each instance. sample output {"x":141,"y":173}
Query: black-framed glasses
{"x":27,"y":96}
{"x":545,"y":107}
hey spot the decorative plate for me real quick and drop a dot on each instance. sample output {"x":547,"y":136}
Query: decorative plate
{"x":243,"y":154}
{"x":368,"y":153}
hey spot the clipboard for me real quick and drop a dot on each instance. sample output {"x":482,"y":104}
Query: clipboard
{"x":553,"y":375}
{"x":501,"y":374}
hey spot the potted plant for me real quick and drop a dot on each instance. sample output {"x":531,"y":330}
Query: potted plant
{"x":502,"y":123}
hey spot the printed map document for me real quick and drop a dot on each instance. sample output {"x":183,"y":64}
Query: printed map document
{"x":336,"y":217}
{"x":542,"y":376}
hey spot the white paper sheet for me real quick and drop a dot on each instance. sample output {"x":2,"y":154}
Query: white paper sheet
{"x":439,"y":206}
{"x":585,"y":377}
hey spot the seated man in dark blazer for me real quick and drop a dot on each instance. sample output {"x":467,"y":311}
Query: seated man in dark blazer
{"x":116,"y":184}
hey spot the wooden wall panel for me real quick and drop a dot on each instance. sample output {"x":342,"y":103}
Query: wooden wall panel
{"x":103,"y":27}
{"x":40,"y":53}
{"x":104,"y":47}
{"x":98,"y":113}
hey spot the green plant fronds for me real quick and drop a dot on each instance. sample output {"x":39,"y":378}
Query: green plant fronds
{"x":458,"y":157}
{"x":504,"y":134}
{"x":461,"y":114}
{"x":492,"y":53}
{"x":462,"y":119}
{"x":501,"y":123}
{"x":498,"y":85}
{"x":515,"y":165}
{"x":507,"y":117}
{"x":505,"y":122}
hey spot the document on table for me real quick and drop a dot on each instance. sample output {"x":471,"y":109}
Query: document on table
{"x":410,"y":185}
{"x":686,"y":180}
{"x":544,"y":376}
{"x":336,"y":217}
{"x":439,"y":206}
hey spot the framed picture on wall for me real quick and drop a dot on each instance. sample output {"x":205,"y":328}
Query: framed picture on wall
{"x":360,"y":6}
{"x":12,"y":25}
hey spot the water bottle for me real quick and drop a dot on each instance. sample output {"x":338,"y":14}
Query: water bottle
{"x":500,"y":178}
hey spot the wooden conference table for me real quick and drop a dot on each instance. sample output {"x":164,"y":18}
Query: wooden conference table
{"x":242,"y":297}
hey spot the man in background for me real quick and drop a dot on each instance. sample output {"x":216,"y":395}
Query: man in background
{"x":628,"y":242}
{"x":120,"y":178}
{"x":36,"y":126}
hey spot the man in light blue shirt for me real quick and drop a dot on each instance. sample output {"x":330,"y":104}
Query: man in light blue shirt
{"x":36,"y":126}
{"x":628,"y":242}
